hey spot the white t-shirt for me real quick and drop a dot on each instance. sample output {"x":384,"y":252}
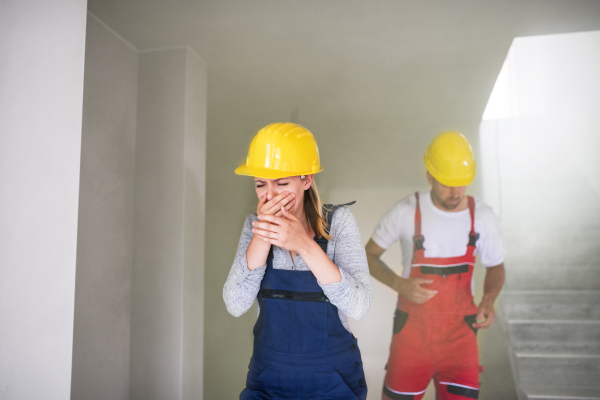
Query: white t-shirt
{"x":446,"y":233}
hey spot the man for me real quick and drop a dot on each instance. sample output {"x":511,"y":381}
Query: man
{"x":436,"y":321}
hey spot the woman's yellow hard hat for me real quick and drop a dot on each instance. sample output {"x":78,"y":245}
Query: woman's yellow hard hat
{"x":449,"y":159}
{"x":282,"y":149}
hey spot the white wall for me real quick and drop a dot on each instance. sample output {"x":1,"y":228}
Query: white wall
{"x":105,"y":234}
{"x":42,"y":48}
{"x":167,"y":291}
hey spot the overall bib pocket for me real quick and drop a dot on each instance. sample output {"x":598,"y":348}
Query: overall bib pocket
{"x":301,"y":320}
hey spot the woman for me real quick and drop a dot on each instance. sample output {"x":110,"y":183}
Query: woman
{"x":307,"y":274}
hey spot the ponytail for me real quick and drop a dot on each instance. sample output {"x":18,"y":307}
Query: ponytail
{"x":313,"y":210}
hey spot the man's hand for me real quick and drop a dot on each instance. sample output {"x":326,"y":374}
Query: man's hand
{"x":412,"y":290}
{"x":486,"y":315}
{"x":494,"y":279}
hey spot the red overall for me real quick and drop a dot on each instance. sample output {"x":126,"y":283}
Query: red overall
{"x":436,"y":339}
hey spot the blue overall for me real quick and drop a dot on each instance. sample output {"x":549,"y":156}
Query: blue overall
{"x":301,"y":349}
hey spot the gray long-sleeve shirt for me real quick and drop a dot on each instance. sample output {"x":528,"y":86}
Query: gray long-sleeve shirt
{"x":352,"y":296}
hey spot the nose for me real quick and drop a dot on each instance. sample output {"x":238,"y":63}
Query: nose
{"x":271,"y":190}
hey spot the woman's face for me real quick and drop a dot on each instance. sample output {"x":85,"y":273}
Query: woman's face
{"x":291,"y":184}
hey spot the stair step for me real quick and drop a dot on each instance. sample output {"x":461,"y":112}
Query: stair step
{"x":555,"y":336}
{"x":544,"y":393}
{"x":550,"y":309}
{"x":549,"y":304}
{"x":529,"y":276}
{"x":558,"y":371}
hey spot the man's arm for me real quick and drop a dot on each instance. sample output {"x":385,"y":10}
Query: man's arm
{"x":410,"y":289}
{"x":378,"y":268}
{"x":494,"y":280}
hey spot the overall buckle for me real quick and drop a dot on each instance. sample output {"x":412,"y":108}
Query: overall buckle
{"x":473,"y":237}
{"x":418,"y":240}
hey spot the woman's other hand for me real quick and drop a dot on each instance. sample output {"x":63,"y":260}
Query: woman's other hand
{"x":286,"y":231}
{"x":258,"y":250}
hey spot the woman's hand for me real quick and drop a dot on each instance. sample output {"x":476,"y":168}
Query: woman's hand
{"x":258,"y":250}
{"x":286,"y":232}
{"x":273,"y":206}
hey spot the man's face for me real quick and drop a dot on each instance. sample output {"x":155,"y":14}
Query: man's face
{"x":448,"y":197}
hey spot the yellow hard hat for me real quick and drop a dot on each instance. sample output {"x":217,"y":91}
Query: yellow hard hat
{"x":449,"y":159}
{"x":281,"y":149}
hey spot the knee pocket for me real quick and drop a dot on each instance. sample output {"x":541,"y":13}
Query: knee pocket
{"x":400,"y":319}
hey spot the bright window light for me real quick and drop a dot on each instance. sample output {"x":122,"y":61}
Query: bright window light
{"x":503,"y":100}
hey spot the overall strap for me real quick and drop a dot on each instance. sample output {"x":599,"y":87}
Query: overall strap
{"x":418,"y":238}
{"x":270,"y":254}
{"x":473,"y":236}
{"x":471,"y":202}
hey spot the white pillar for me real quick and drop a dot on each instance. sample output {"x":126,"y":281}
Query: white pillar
{"x":167,"y":292}
{"x":42,"y":47}
{"x":194,"y":227}
{"x":105,"y":233}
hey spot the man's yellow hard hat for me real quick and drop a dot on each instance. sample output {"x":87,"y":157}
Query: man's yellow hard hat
{"x":449,"y":159}
{"x":282,"y":149}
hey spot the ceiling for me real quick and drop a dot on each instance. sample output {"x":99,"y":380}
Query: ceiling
{"x":373,"y":80}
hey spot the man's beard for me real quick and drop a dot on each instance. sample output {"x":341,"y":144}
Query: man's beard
{"x":449,"y":206}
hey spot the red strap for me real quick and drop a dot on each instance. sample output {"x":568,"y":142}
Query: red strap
{"x":471,"y":201}
{"x":417,"y":217}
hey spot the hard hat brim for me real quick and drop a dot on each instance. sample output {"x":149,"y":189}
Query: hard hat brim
{"x":267,"y":173}
{"x":456,"y":182}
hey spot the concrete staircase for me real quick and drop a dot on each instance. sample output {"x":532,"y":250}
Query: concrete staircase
{"x":551,"y":313}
